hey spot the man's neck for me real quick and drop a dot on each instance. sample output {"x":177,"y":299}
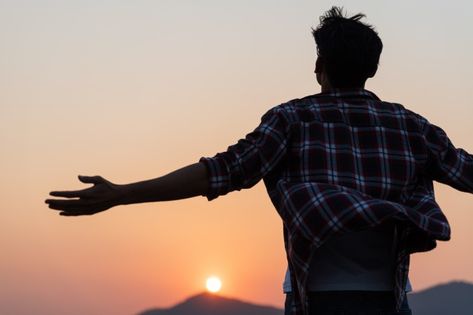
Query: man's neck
{"x":327,"y":88}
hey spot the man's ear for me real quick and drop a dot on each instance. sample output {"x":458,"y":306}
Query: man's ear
{"x":372,"y":72}
{"x":319,"y":65}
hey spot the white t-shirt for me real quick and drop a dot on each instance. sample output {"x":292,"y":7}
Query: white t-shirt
{"x":361,"y":260}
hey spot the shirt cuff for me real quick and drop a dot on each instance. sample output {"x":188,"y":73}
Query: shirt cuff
{"x":218,"y":175}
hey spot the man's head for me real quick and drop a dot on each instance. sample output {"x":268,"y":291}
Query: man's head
{"x":348,"y":50}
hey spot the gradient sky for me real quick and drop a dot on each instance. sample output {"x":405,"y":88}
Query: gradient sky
{"x":131,"y":90}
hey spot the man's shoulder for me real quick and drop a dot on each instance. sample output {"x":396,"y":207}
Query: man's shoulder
{"x":360,"y":97}
{"x":303,"y":103}
{"x":291,"y":110}
{"x":294,"y":109}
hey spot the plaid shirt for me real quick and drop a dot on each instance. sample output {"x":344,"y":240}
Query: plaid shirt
{"x":346,"y":161}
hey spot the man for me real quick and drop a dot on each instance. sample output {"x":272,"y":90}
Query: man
{"x":345,"y":171}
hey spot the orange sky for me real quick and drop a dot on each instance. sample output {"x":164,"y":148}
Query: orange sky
{"x":133,"y":90}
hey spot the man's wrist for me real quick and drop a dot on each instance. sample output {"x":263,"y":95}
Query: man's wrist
{"x":123,"y":196}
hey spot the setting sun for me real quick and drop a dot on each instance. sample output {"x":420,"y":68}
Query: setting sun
{"x":214,"y":284}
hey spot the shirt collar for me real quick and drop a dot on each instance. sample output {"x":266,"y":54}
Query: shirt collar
{"x":350,"y":93}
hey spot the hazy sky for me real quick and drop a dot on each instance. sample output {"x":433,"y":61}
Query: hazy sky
{"x":131,"y":90}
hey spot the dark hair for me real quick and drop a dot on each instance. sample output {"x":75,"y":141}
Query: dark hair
{"x":349,"y":49}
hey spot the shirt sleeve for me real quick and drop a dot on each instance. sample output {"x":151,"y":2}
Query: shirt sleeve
{"x":448,"y":164}
{"x":245,"y":163}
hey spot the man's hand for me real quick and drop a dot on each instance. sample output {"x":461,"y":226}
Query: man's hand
{"x":100,"y":197}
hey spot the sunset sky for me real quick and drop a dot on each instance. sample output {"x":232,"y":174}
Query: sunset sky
{"x":132,"y":90}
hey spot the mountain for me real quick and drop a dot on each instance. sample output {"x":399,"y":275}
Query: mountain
{"x":211,"y":304}
{"x":453,"y":298}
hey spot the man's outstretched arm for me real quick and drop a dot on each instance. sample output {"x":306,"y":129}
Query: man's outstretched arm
{"x":186,"y":182}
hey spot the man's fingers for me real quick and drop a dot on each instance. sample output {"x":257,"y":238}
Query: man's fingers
{"x":73,"y":213}
{"x":68,"y":214}
{"x":68,"y":194}
{"x":91,"y":179}
{"x":68,"y":205}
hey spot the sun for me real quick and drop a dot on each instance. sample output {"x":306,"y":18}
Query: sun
{"x":213,"y":284}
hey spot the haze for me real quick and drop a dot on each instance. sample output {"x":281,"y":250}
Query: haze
{"x":131,"y":90}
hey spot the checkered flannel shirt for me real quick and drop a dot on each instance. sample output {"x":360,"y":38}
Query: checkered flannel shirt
{"x":345,"y":161}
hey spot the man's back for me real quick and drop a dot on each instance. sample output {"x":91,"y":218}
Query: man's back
{"x":362,"y":143}
{"x":353,"y":139}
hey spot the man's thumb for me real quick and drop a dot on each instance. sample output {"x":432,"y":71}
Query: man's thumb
{"x":90,"y":179}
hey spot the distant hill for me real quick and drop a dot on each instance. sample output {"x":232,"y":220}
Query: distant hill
{"x":454,"y":298}
{"x":211,"y":304}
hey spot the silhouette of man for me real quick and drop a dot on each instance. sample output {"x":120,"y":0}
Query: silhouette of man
{"x":350,"y":175}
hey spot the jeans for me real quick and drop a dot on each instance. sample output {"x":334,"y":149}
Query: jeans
{"x":351,"y":303}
